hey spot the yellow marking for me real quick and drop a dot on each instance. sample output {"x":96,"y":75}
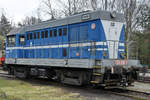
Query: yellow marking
{"x":97,"y":67}
{"x":97,"y":74}
{"x":95,"y":82}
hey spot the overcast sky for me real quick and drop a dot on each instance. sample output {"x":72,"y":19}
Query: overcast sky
{"x":18,"y":9}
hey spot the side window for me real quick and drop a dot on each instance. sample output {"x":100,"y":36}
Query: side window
{"x":46,"y":34}
{"x":64,"y":52}
{"x":21,"y":40}
{"x":42,"y":34}
{"x":51,"y":33}
{"x":55,"y":32}
{"x":30,"y":36}
{"x":64,"y":31}
{"x":83,"y":33}
{"x":60,"y":32}
{"x":73,"y":35}
{"x":38,"y":35}
{"x":34,"y":35}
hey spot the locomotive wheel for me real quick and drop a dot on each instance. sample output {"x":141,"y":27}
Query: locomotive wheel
{"x":11,"y":71}
{"x":50,"y":74}
{"x":21,"y":73}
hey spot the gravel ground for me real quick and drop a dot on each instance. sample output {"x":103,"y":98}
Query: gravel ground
{"x":84,"y":93}
{"x":139,"y":86}
{"x":97,"y":95}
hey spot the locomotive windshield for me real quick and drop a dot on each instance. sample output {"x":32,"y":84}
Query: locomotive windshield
{"x":11,"y":40}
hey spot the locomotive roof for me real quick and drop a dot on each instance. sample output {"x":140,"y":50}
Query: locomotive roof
{"x":85,"y":16}
{"x":16,"y":30}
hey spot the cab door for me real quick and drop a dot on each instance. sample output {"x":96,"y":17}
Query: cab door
{"x":74,"y":49}
{"x":113,"y":43}
{"x":21,"y":42}
{"x":65,"y":49}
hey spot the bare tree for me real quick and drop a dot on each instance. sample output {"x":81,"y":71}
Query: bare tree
{"x":71,"y":7}
{"x":103,"y":4}
{"x":106,"y":4}
{"x":38,"y":14}
{"x":94,"y":4}
{"x":131,"y":10}
{"x":5,"y":25}
{"x":49,"y":9}
{"x":29,"y":21}
{"x":112,"y":4}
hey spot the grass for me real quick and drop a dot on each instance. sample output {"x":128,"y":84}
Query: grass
{"x":20,"y":90}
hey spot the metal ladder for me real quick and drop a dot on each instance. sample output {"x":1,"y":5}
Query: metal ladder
{"x":96,"y":75}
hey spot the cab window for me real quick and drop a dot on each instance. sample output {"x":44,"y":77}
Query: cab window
{"x":21,"y":40}
{"x":11,"y":40}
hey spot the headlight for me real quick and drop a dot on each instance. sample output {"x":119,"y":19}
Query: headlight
{"x":113,"y":14}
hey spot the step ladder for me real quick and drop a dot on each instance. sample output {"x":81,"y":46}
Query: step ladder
{"x":96,"y":76}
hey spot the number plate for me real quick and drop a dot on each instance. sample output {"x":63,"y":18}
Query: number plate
{"x":121,"y":62}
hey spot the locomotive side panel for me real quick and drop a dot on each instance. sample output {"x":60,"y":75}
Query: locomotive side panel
{"x":80,"y":41}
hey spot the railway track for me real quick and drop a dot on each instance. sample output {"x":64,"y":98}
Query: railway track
{"x":144,"y":81}
{"x":136,"y":95}
{"x":144,"y":77}
{"x":6,"y":75}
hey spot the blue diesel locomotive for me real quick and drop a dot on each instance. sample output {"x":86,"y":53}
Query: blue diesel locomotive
{"x":86,"y":48}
